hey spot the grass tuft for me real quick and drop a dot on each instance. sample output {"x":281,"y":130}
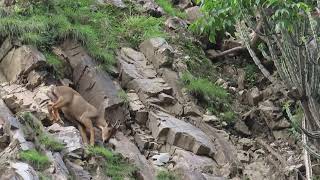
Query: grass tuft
{"x":38,"y":160}
{"x":139,"y":28}
{"x":50,"y":142}
{"x":166,"y":175}
{"x":114,"y":166}
{"x":169,"y":9}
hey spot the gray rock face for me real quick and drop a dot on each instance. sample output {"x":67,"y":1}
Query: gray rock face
{"x":20,"y":99}
{"x":127,"y":149}
{"x":175,"y":132}
{"x":77,"y":171}
{"x":254,"y":96}
{"x":20,"y":62}
{"x":158,"y":52}
{"x":193,"y":167}
{"x":137,"y":109}
{"x":70,"y":136}
{"x":25,"y":171}
{"x":95,"y":85}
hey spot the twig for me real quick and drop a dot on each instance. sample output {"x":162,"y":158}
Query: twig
{"x":306,"y":156}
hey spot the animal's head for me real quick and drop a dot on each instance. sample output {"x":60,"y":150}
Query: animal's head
{"x":108,"y":131}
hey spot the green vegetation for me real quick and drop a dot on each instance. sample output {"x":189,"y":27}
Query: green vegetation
{"x":123,"y":95}
{"x":50,"y":142}
{"x":114,"y":165}
{"x":211,"y":96}
{"x":229,"y":117}
{"x":139,"y":28}
{"x":96,"y":26}
{"x":31,"y":123}
{"x":251,"y":74}
{"x":166,"y":175}
{"x":38,"y":160}
{"x":57,"y":64}
{"x":169,"y":9}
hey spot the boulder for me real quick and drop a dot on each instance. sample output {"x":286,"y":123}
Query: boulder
{"x":242,"y":128}
{"x":193,"y":13}
{"x":20,"y":61}
{"x":166,"y":128}
{"x":211,"y":119}
{"x":193,"y":167}
{"x":158,"y":52}
{"x":70,"y":136}
{"x":128,"y":150}
{"x":94,"y":84}
{"x":175,"y":23}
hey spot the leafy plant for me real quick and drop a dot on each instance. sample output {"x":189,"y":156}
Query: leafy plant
{"x":251,"y":73}
{"x":123,"y":96}
{"x":38,"y":160}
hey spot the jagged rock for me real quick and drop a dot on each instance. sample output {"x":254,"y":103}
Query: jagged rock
{"x":175,"y":132}
{"x":241,"y":78}
{"x":254,"y":96}
{"x":35,"y":78}
{"x":175,"y":23}
{"x":133,"y":65}
{"x":137,"y":109}
{"x":94,"y":84}
{"x":21,"y":61}
{"x":241,"y":127}
{"x":25,"y":171}
{"x":70,"y":136}
{"x":151,"y":7}
{"x":270,"y":111}
{"x":77,"y":171}
{"x":165,"y":98}
{"x":161,"y":159}
{"x":158,"y":52}
{"x":210,"y":119}
{"x":59,"y":168}
{"x":193,"y":167}
{"x":20,"y":99}
{"x":127,"y":149}
{"x":147,"y":88}
{"x":193,"y":13}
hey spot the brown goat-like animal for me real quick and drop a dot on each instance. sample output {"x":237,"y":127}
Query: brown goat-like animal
{"x":75,"y":107}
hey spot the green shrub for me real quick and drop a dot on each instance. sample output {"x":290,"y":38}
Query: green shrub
{"x":123,"y":96}
{"x":251,"y":74}
{"x":166,"y":175}
{"x":50,"y":142}
{"x":101,"y":151}
{"x":169,"y":9}
{"x":38,"y":160}
{"x":228,"y":117}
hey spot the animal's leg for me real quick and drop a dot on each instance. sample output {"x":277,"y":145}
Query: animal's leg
{"x":88,"y":125}
{"x":83,"y":133}
{"x":59,"y":103}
